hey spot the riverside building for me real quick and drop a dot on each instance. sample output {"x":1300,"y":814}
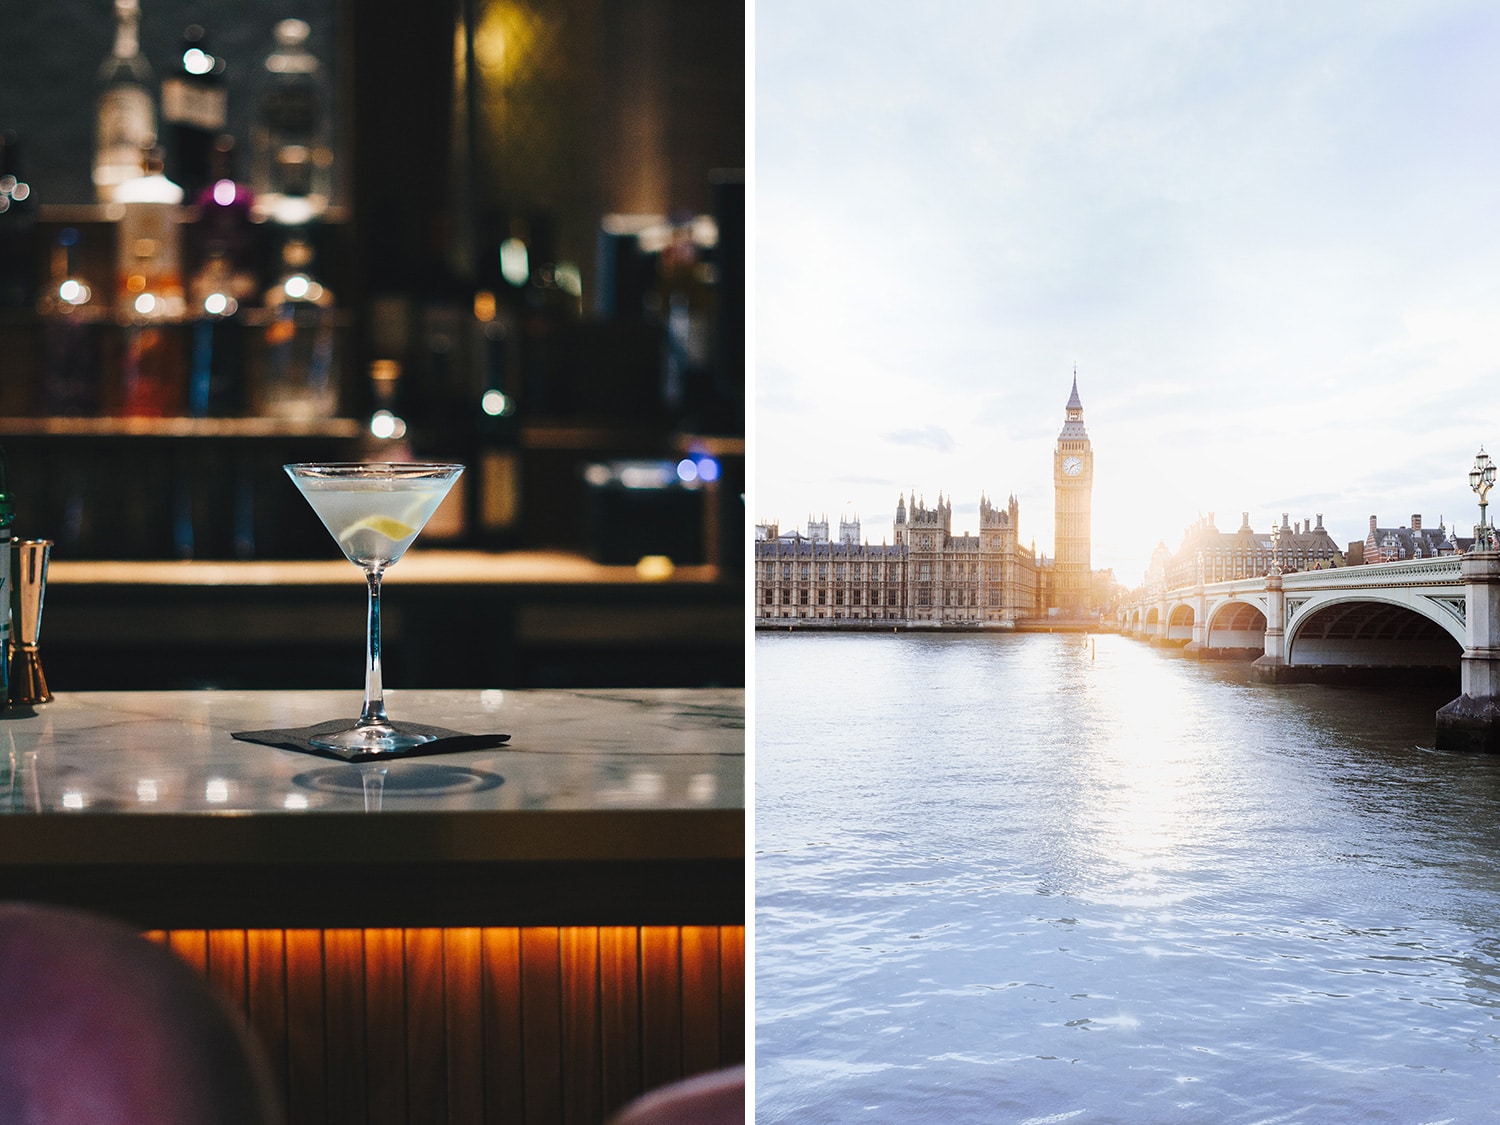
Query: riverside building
{"x":1210,"y":555}
{"x":1392,"y":544}
{"x":927,"y":576}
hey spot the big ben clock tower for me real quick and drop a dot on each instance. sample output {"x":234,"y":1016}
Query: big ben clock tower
{"x":1073,"y":483}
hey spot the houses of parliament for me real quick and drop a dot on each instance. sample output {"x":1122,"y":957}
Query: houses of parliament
{"x":929,"y":577}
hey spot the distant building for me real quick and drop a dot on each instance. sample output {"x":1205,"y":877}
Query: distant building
{"x":928,"y":575}
{"x":1210,"y":555}
{"x":1392,"y":544}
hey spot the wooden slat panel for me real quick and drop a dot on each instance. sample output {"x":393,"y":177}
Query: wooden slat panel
{"x":344,"y":1019}
{"x":541,"y":1023}
{"x":732,"y":991}
{"x":504,"y":1087}
{"x":619,"y":1014}
{"x":700,"y":999}
{"x":307,"y":1091}
{"x":465,"y":1026}
{"x":427,"y":1076}
{"x":661,"y":1005}
{"x":265,"y":992}
{"x":227,"y":967}
{"x":385,"y":1025}
{"x":581,"y":1068}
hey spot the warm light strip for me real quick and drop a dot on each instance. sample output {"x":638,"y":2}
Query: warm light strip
{"x":527,"y":1024}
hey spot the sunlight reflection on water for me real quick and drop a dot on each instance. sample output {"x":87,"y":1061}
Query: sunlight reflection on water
{"x":1028,"y":878}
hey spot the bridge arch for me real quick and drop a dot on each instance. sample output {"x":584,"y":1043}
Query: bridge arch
{"x":1374,"y":632}
{"x":1235,"y":624}
{"x":1180,"y":623}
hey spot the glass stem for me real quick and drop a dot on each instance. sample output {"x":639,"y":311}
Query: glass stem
{"x":374,"y":711}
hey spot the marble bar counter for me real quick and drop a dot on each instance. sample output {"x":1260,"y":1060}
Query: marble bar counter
{"x":621,"y":807}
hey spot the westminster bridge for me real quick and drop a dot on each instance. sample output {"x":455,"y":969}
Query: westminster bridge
{"x":1418,"y":615}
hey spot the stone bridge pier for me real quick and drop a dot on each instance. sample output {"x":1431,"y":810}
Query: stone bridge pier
{"x":1472,"y":721}
{"x":1272,"y":666}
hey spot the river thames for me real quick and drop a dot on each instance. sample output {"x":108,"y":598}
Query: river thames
{"x":1048,"y":878}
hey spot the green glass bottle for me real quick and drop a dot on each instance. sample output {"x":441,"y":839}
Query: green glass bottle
{"x":7,"y":514}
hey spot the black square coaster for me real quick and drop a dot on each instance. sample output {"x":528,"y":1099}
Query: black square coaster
{"x":443,"y":741}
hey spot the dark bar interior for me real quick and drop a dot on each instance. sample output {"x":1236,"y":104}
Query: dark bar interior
{"x":531,"y":261}
{"x":504,"y":234}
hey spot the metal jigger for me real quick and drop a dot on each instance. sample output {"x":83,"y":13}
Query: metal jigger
{"x":29,"y":572}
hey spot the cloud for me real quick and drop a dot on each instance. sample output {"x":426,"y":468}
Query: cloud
{"x":936,"y":438}
{"x":1265,"y":234}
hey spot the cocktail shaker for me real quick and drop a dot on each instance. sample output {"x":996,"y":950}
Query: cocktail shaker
{"x":28,"y":684}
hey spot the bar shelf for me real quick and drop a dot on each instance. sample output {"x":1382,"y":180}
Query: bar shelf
{"x":341,"y":429}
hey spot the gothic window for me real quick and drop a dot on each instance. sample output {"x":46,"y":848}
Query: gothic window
{"x":822,"y":597}
{"x":838,"y":597}
{"x":822,"y":570}
{"x":924,"y":597}
{"x":770,"y":597}
{"x":858,"y":600}
{"x":802,"y":572}
{"x":804,"y":597}
{"x":891,"y":599}
{"x":786,"y":570}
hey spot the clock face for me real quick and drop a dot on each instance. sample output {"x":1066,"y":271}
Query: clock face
{"x":1072,"y":465}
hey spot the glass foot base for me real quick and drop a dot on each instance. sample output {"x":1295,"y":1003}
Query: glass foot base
{"x":376,"y":738}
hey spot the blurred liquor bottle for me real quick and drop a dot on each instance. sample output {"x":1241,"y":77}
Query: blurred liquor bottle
{"x":194,"y":110}
{"x":495,"y":494}
{"x":17,"y":228}
{"x":291,"y":168}
{"x":297,"y":376}
{"x":216,"y":351}
{"x":125,"y":119}
{"x":223,"y":282}
{"x":72,"y":309}
{"x":149,"y":293}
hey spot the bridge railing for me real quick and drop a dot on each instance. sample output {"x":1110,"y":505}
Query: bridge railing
{"x":1407,"y":573}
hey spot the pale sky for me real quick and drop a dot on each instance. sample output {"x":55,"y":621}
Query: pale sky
{"x":1266,"y":233}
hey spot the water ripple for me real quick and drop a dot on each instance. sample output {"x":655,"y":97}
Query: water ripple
{"x":997,"y":880}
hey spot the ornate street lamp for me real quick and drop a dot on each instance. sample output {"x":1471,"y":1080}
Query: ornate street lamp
{"x":1481,"y":478}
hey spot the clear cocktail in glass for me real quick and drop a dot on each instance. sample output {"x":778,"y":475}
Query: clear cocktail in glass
{"x":373,"y":510}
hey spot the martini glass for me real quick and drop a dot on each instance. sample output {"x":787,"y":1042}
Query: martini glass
{"x":373,"y":510}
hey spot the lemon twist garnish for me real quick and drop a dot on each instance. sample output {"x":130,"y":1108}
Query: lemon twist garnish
{"x":381,"y":525}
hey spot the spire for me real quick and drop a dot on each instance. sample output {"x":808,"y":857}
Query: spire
{"x":1073,"y":428}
